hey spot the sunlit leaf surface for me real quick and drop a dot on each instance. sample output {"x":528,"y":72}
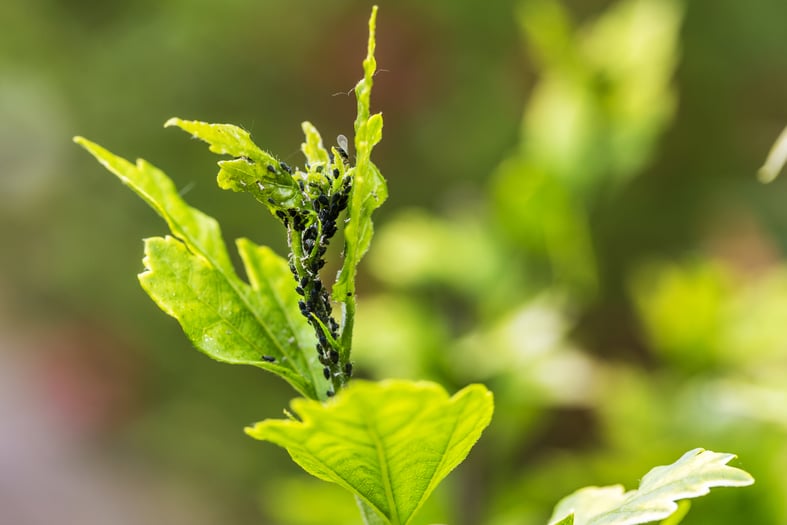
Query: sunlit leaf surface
{"x":691,"y":476}
{"x":191,"y":278}
{"x":390,"y":443}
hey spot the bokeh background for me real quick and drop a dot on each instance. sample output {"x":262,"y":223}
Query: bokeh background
{"x":574,"y":220}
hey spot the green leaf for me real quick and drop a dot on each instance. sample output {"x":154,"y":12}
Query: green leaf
{"x":191,"y":278}
{"x":252,"y":169}
{"x":224,"y":139}
{"x":390,"y":443}
{"x":200,"y":232}
{"x":568,"y":520}
{"x":691,"y":476}
{"x":313,"y":149}
{"x":369,"y":189}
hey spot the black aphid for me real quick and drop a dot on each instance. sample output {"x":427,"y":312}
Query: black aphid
{"x":269,"y":358}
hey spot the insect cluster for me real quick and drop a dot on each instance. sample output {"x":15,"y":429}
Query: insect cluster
{"x":324,"y":193}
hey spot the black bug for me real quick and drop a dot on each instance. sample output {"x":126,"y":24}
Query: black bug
{"x":269,"y":358}
{"x":311,"y":223}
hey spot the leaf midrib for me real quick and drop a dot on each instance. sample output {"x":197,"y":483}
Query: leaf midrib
{"x":385,"y":473}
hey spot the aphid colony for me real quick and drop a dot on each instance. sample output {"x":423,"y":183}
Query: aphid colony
{"x":324,"y":190}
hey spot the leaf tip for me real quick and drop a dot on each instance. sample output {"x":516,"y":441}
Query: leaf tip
{"x":85,"y":143}
{"x":252,"y":430}
{"x":174,"y":121}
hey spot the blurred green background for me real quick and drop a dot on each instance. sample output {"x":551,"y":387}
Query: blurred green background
{"x":574,"y":220}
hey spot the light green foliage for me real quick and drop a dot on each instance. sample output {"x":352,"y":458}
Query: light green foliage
{"x":191,"y":278}
{"x":701,"y":316}
{"x":369,"y":189}
{"x":200,"y":232}
{"x":390,"y":443}
{"x":691,"y":476}
{"x":699,"y":312}
{"x":591,"y":123}
{"x":682,"y":309}
{"x":308,"y":202}
{"x":604,"y":94}
{"x":249,"y":170}
{"x":502,"y":307}
{"x":277,"y":186}
{"x":416,"y":249}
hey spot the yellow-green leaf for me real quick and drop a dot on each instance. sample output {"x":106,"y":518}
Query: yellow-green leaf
{"x":390,"y":443}
{"x":191,"y":278}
